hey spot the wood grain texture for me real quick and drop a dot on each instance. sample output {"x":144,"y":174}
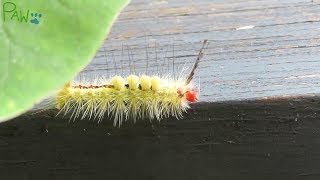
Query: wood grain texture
{"x":277,"y":56}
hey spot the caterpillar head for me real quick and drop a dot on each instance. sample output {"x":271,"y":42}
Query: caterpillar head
{"x":189,"y":93}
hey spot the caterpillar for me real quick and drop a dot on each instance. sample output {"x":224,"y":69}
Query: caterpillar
{"x":132,"y":97}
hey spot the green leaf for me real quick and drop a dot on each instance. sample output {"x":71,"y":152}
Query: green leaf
{"x":43,"y":44}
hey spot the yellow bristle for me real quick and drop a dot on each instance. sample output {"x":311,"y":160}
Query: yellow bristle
{"x":63,"y":96}
{"x":145,"y":82}
{"x":91,"y":100}
{"x":78,"y":99}
{"x":118,"y":82}
{"x":156,"y":99}
{"x":133,"y":82}
{"x":103,"y":106}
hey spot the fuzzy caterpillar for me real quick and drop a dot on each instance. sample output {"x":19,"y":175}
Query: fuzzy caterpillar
{"x":133,"y":97}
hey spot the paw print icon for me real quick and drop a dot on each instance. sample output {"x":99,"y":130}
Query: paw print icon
{"x":36,"y":18}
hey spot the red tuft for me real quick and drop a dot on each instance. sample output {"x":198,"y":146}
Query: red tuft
{"x":191,"y":95}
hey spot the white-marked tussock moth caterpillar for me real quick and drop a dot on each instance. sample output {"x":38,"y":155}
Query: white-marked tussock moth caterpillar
{"x":132,"y":97}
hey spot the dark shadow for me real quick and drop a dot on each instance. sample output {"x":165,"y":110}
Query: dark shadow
{"x":278,"y":138}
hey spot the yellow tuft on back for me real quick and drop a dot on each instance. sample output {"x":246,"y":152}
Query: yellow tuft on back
{"x":118,"y":82}
{"x":133,"y":82}
{"x":145,"y":82}
{"x":155,"y":83}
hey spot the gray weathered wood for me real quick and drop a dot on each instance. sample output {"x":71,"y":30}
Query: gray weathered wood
{"x":277,"y":56}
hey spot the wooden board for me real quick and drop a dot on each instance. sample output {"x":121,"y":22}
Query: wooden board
{"x":257,"y":49}
{"x":235,"y":140}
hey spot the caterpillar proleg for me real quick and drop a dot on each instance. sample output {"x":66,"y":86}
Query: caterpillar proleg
{"x":132,"y":97}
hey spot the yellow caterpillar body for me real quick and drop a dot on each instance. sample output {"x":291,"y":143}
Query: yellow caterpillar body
{"x":134,"y":97}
